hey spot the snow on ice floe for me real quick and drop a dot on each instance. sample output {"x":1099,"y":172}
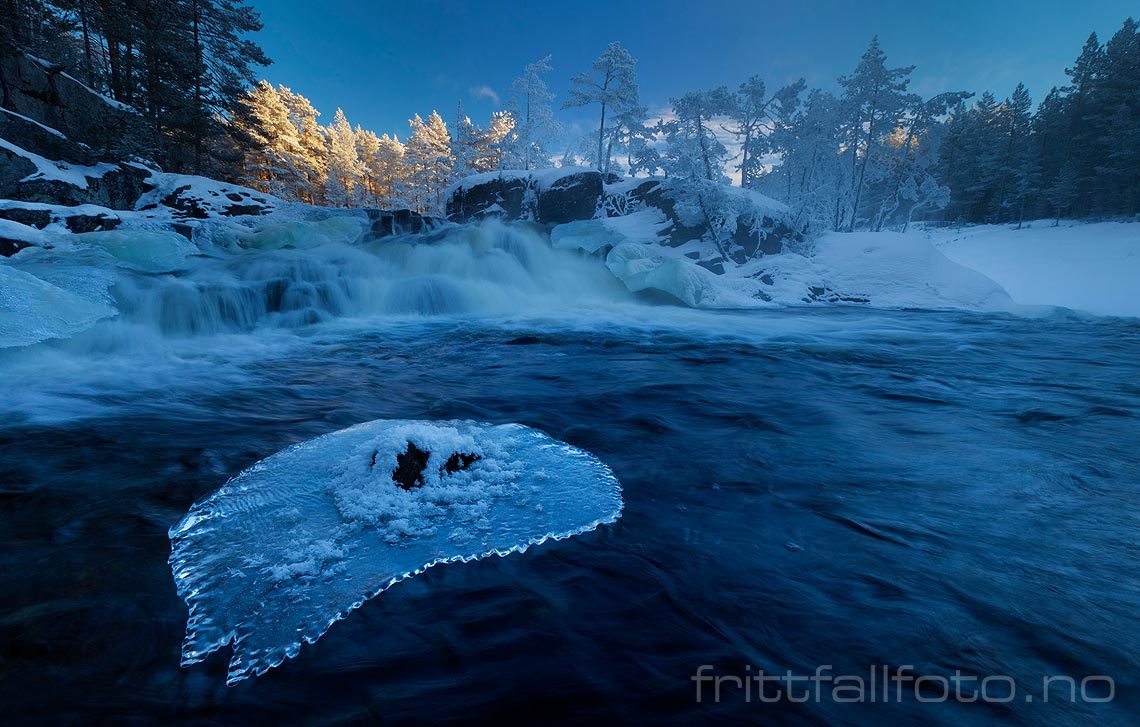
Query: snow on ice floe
{"x":297,"y":541}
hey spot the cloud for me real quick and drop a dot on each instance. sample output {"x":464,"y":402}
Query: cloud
{"x":484,"y":92}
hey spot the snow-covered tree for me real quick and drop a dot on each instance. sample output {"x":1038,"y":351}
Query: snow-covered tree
{"x":430,"y":161}
{"x":527,"y":146}
{"x":272,"y":145}
{"x":812,"y":177}
{"x":876,"y":100}
{"x":694,"y":161}
{"x":345,"y":172}
{"x":314,"y":145}
{"x":612,"y":84}
{"x":755,"y":116}
{"x":390,"y":172}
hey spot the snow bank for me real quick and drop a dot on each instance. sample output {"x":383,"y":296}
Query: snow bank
{"x":1091,"y":267}
{"x":293,"y":544}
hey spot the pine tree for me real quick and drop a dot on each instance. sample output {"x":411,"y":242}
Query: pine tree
{"x":430,"y":162}
{"x":345,"y":171}
{"x":314,"y":145}
{"x":528,"y":144}
{"x":877,"y":99}
{"x":612,"y":85}
{"x":756,"y":116}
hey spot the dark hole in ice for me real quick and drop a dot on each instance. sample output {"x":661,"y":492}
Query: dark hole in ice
{"x":459,"y":461}
{"x":411,"y":463}
{"x":410,"y":466}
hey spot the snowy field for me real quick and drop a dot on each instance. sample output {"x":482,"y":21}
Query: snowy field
{"x":1091,"y":267}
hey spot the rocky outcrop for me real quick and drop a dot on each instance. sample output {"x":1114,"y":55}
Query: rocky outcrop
{"x":38,"y":90}
{"x":761,"y":227}
{"x":560,"y":196}
{"x":386,"y":223}
{"x":116,"y":186}
{"x":546,"y":196}
{"x":85,"y":218}
{"x":60,"y":143}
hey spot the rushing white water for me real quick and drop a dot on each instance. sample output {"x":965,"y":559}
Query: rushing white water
{"x":293,"y":275}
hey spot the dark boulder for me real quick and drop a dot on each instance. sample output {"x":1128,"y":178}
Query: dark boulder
{"x":10,"y":246}
{"x":498,"y":196}
{"x":38,"y":219}
{"x":569,"y":198}
{"x":39,"y":139}
{"x":386,"y":223}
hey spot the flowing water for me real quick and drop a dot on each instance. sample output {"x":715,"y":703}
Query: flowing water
{"x":844,"y":487}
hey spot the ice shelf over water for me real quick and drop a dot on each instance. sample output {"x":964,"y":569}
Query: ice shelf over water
{"x":291,"y":545}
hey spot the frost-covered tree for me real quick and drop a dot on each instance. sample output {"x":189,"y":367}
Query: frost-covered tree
{"x":527,"y":146}
{"x":345,"y":172}
{"x":463,"y":144}
{"x":390,"y":172}
{"x":314,"y":145}
{"x":755,"y":116}
{"x":812,"y":178}
{"x":271,"y":144}
{"x":429,"y":160}
{"x":694,"y":161}
{"x":612,"y":84}
{"x":876,"y":100}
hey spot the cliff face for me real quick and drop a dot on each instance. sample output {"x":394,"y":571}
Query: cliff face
{"x":90,"y":126}
{"x":62,"y":143}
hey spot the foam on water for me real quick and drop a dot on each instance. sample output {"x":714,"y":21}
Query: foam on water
{"x":293,"y":544}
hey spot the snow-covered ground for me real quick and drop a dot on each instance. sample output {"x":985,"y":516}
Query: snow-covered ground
{"x":1091,"y":267}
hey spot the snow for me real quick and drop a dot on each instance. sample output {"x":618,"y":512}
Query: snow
{"x":294,"y":543}
{"x":886,"y":269}
{"x":54,"y":132}
{"x":73,"y":174}
{"x":892,"y":270}
{"x":1090,"y":267}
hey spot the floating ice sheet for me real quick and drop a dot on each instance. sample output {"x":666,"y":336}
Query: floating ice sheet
{"x":297,"y":541}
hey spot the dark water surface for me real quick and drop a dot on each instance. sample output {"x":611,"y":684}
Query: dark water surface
{"x":851,"y":488}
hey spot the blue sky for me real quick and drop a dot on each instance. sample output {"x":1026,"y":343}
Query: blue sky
{"x":383,"y":61}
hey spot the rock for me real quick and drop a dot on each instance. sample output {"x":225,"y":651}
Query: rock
{"x":411,"y":463}
{"x":386,"y":223}
{"x":713,"y":266}
{"x":564,"y":196}
{"x":75,"y":221}
{"x":38,"y":219}
{"x":186,"y":202}
{"x":53,"y":98}
{"x":236,"y":210}
{"x":569,"y":198}
{"x":80,"y":223}
{"x":501,"y":197}
{"x":27,"y":134}
{"x":115,"y":188}
{"x":459,"y":461}
{"x":410,"y":466}
{"x":9,"y":246}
